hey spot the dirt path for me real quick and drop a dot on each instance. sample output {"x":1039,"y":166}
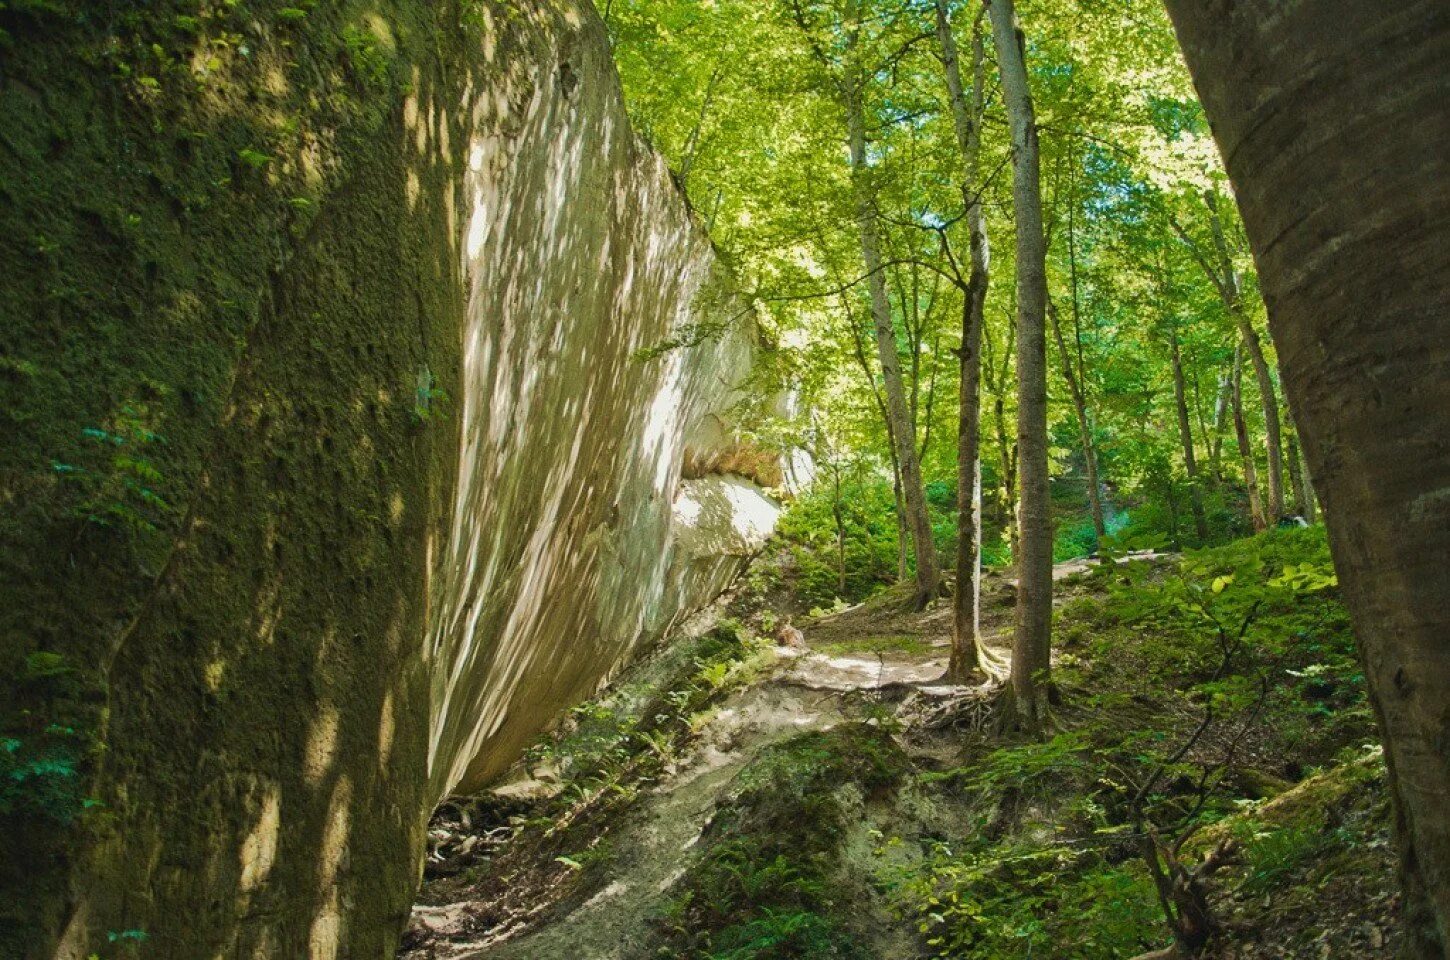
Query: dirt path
{"x":853,"y":659}
{"x":650,"y":847}
{"x":805,"y":691}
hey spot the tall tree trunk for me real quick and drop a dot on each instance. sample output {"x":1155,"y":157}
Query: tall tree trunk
{"x":969,"y":655}
{"x":1220,"y":424}
{"x":1246,"y":450}
{"x":839,"y":517}
{"x":1299,"y":473}
{"x":1084,"y":427}
{"x":1311,"y":500}
{"x":1333,"y":116}
{"x":1007,"y":493}
{"x":995,"y":375}
{"x":1233,"y":299}
{"x":903,"y":527}
{"x":902,"y":530}
{"x":1185,"y":436}
{"x":1077,"y":375}
{"x":903,"y":437}
{"x":1296,"y":477}
{"x":1032,"y":636}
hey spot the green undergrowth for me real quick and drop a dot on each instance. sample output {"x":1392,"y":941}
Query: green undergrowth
{"x":769,"y":882}
{"x":1248,"y":642}
{"x":895,"y":644}
{"x":615,"y":743}
{"x":609,"y":750}
{"x":1210,"y":698}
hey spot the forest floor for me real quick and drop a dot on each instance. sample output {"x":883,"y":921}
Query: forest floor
{"x":731,"y":798}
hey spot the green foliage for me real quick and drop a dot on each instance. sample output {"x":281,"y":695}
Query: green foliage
{"x":118,"y":481}
{"x":1029,"y":900}
{"x":739,"y":98}
{"x":613,"y":744}
{"x":867,"y":536}
{"x":1053,"y":865}
{"x":766,"y":886}
{"x":255,"y":159}
{"x":1273,"y":854}
{"x":1026,"y":766}
{"x":40,"y":759}
{"x":427,"y":395}
{"x":368,"y":57}
{"x":1073,"y":540}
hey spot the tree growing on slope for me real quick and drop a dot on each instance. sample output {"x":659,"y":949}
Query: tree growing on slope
{"x":1332,"y":117}
{"x":1032,"y":633}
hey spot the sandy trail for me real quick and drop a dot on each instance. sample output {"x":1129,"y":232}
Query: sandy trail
{"x":836,"y":678}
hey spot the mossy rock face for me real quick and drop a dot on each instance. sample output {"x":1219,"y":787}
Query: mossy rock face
{"x":241,"y":286}
{"x":218,"y":293}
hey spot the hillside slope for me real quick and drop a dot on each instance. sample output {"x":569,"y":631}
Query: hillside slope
{"x":734,"y":799}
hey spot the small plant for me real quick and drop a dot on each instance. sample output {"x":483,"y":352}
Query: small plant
{"x":427,"y":395}
{"x":40,"y":759}
{"x":255,"y":159}
{"x":119,"y":489}
{"x":369,"y":61}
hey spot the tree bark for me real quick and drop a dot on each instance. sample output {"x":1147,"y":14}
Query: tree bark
{"x":902,"y":531}
{"x":995,"y":380}
{"x":1311,"y":501}
{"x":1246,"y":450}
{"x":903,"y":434}
{"x":1185,"y":436}
{"x":1077,"y":376}
{"x":837,"y":515}
{"x":1220,"y":424}
{"x":969,"y":655}
{"x":1031,"y":642}
{"x":1333,"y":118}
{"x":1233,"y":299}
{"x":1084,"y":427}
{"x":1296,"y":477}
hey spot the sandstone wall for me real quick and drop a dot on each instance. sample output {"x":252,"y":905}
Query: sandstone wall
{"x":331,"y":466}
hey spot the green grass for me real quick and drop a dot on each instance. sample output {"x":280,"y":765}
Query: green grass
{"x":897,"y":643}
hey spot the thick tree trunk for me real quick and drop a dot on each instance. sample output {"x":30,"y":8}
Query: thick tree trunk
{"x":1185,"y":436}
{"x":1246,"y":450}
{"x":1333,"y":117}
{"x":969,"y":656}
{"x":903,"y":434}
{"x":1031,"y":642}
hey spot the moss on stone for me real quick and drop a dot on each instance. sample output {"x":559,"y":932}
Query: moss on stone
{"x":205,"y":214}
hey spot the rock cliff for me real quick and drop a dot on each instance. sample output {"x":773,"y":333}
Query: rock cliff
{"x":369,"y":395}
